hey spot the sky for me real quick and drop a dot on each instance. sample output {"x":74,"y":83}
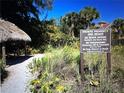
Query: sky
{"x":108,"y":9}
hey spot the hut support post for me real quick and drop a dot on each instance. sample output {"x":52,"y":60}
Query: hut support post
{"x":25,"y":50}
{"x":3,"y":54}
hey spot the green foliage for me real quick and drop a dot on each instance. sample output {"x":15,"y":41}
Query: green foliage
{"x":118,"y":29}
{"x":72,"y":22}
{"x":118,"y":57}
{"x":118,"y":24}
{"x":113,"y":83}
{"x":35,"y":51}
{"x":3,"y":72}
{"x":118,"y":67}
{"x":69,"y":22}
{"x":46,"y":84}
{"x":25,"y":14}
{"x":58,"y":38}
{"x":55,"y":70}
{"x":89,"y":14}
{"x":23,"y":8}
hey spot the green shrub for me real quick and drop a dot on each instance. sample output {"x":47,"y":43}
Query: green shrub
{"x":58,"y":38}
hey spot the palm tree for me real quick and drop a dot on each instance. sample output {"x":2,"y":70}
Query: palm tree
{"x":69,"y":21}
{"x":73,"y":22}
{"x":89,"y":14}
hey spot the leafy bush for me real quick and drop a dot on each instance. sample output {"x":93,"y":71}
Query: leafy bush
{"x":58,"y":38}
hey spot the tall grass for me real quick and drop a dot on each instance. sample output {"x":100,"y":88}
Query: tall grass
{"x":58,"y":64}
{"x":58,"y":72}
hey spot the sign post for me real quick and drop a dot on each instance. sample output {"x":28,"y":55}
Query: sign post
{"x":97,"y":40}
{"x":81,"y":64}
{"x":108,"y":63}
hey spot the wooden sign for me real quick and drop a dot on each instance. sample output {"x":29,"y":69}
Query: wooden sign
{"x":97,"y":40}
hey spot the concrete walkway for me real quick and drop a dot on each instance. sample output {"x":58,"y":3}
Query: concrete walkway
{"x":19,"y":75}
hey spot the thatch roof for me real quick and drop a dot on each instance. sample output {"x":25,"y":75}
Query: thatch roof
{"x":9,"y":31}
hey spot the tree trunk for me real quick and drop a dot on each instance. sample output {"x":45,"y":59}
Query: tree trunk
{"x":71,"y":32}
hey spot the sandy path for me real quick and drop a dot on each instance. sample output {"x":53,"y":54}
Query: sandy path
{"x":19,"y":77}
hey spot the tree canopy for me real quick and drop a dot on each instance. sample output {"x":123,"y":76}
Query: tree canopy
{"x":118,"y":30}
{"x":118,"y":24}
{"x":25,"y":14}
{"x":72,"y":22}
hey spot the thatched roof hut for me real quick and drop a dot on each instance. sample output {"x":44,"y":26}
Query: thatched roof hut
{"x":10,"y":32}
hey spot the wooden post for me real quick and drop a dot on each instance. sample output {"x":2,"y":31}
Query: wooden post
{"x":81,"y":66}
{"x":25,"y":49}
{"x":3,"y":54}
{"x":108,"y":63}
